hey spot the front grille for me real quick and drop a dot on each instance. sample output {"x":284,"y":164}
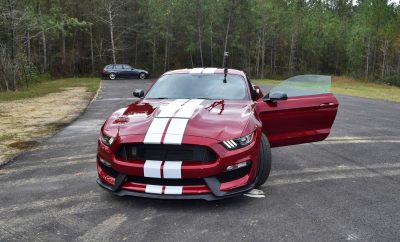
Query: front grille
{"x":165,"y":152}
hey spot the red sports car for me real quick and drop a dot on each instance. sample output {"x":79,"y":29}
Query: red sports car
{"x":204,"y":133}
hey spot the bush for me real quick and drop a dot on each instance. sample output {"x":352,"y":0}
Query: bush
{"x":392,"y":80}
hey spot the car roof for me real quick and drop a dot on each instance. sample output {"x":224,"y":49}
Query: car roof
{"x":205,"y":70}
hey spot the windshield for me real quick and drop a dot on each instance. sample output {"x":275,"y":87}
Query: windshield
{"x":190,"y":86}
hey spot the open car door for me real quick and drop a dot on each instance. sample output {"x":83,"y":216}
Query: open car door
{"x":299,"y":110}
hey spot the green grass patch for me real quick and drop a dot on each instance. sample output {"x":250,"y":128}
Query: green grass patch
{"x":353,"y":87}
{"x":46,"y":87}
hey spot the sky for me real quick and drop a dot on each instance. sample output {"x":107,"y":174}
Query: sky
{"x":390,"y":1}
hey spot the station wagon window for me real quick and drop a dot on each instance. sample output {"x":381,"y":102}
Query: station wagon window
{"x":127,"y":67}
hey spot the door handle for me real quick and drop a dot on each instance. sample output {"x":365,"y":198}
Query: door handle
{"x":326,"y":104}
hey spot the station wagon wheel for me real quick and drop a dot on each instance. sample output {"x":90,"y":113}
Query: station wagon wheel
{"x":112,"y":76}
{"x":142,"y":75}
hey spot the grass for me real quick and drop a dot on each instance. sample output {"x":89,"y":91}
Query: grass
{"x":46,"y":87}
{"x":352,"y":87}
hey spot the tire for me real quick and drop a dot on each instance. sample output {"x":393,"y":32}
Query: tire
{"x":142,"y":75}
{"x":112,"y":76}
{"x":264,"y":160}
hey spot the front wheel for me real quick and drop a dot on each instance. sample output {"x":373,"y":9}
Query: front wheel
{"x":264,"y":159}
{"x":112,"y":76}
{"x":142,"y":75}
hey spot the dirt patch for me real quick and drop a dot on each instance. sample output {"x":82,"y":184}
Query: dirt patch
{"x":24,"y":123}
{"x":24,"y":144}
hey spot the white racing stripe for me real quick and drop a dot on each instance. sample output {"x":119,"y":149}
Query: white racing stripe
{"x":172,"y":169}
{"x":154,"y":189}
{"x":152,"y":168}
{"x":188,"y":109}
{"x":181,"y":110}
{"x":173,"y":190}
{"x":175,"y":131}
{"x":196,"y":70}
{"x":209,"y":70}
{"x":170,"y":109}
{"x":156,"y":130}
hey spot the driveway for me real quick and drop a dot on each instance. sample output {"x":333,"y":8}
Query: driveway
{"x":344,"y":188}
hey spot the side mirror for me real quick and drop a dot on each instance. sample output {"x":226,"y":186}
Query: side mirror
{"x":275,"y":96}
{"x":258,"y":92}
{"x":138,"y":93}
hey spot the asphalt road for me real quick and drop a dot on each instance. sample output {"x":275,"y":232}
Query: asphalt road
{"x":344,"y":188}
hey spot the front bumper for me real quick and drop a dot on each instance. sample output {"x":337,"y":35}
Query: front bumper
{"x":206,"y":196}
{"x":198,"y":180}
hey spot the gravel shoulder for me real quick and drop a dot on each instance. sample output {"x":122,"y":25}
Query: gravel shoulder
{"x":27,"y":122}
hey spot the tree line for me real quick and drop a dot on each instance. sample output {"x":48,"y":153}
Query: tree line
{"x":40,"y":39}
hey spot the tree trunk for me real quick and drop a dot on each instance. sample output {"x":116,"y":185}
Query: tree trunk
{"x":274,"y":70}
{"x":13,"y":44}
{"x":374,"y":60}
{"x":200,"y":40}
{"x":271,"y":56}
{"x":191,"y":59}
{"x":258,"y":50}
{"x":384,"y":54}
{"x":136,"y":47}
{"x":6,"y":82}
{"x":166,"y":51}
{"x":44,"y":43}
{"x":63,"y":51}
{"x":367,"y":62}
{"x":154,"y":55}
{"x":111,"y":26}
{"x":91,"y":48}
{"x":211,"y":46}
{"x":28,"y":47}
{"x":291,"y":54}
{"x":262,"y":52}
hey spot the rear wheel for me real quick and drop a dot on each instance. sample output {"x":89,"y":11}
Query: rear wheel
{"x":142,"y":75}
{"x":112,"y":76}
{"x":264,"y":160}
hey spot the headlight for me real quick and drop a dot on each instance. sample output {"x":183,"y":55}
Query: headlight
{"x":107,"y":140}
{"x":233,"y":144}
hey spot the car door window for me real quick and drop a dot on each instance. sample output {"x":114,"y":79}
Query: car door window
{"x":304,"y":85}
{"x":127,"y":67}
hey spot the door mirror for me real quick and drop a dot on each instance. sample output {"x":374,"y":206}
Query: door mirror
{"x":275,"y":96}
{"x":258,"y":91}
{"x":138,"y":93}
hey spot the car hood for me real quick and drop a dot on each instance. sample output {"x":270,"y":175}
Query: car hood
{"x":215,"y":119}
